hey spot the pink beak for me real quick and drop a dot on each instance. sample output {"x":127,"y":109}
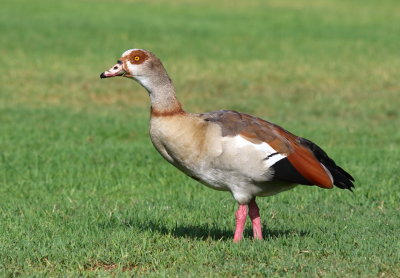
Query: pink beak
{"x":116,"y":70}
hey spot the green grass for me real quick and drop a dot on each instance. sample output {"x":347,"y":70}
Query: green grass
{"x":83,"y":192}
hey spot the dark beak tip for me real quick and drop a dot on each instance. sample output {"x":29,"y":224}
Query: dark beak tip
{"x":102,"y":75}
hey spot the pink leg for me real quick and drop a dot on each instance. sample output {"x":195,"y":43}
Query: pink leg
{"x":254,"y":213}
{"x":241,"y":215}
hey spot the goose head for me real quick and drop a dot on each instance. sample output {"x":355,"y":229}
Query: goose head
{"x":144,"y":67}
{"x":138,"y":64}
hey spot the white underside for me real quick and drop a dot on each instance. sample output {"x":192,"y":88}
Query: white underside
{"x":244,"y":169}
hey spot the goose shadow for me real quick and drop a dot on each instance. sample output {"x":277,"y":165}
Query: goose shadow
{"x":200,"y":232}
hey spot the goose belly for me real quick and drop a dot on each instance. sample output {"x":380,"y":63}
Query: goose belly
{"x":239,"y":183}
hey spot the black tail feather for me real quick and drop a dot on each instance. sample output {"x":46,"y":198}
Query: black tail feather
{"x":341,"y":178}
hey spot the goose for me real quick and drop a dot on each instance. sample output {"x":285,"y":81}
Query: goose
{"x":227,"y":150}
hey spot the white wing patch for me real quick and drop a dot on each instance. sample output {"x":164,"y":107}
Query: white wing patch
{"x":274,"y":157}
{"x":271,"y":155}
{"x":261,"y":151}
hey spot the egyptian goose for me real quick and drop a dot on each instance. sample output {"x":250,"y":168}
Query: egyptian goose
{"x":227,"y":150}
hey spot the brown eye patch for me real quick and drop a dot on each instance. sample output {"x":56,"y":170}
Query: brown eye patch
{"x":137,"y":57}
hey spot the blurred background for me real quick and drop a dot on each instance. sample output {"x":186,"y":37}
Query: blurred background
{"x":75,"y":147}
{"x":258,"y":56}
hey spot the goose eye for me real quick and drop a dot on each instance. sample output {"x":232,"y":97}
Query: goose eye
{"x":137,"y":58}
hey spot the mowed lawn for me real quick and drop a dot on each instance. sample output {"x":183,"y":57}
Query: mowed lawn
{"x":83,"y":191}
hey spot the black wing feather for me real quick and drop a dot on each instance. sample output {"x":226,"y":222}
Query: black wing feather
{"x":341,"y":178}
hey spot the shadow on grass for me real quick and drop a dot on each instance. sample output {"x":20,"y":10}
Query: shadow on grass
{"x":202,"y":232}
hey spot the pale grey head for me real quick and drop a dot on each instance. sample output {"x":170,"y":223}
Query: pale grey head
{"x":144,"y":67}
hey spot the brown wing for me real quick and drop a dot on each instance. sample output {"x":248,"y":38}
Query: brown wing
{"x":300,"y":165}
